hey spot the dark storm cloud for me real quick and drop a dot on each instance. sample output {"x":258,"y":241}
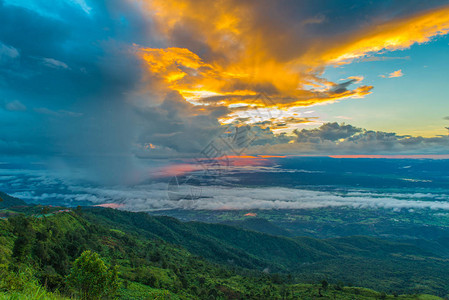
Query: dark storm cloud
{"x":91,"y":45}
{"x":74,"y":71}
{"x":177,"y":128}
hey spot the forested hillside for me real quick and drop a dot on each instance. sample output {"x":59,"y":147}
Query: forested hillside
{"x":381,"y":264}
{"x":48,"y":252}
{"x":8,"y":201}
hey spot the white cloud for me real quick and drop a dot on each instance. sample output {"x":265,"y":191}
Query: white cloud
{"x":53,"y":63}
{"x":59,"y":113}
{"x":14,"y":106}
{"x":38,"y":186}
{"x":8,"y":53}
{"x":83,"y":5}
{"x":154,"y":197}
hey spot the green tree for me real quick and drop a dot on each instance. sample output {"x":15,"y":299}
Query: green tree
{"x":324,"y":284}
{"x":25,"y":237}
{"x":92,"y":278}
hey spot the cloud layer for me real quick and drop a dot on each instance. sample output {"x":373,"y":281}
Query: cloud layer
{"x":154,"y":197}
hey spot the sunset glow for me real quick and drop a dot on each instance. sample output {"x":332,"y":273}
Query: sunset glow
{"x":242,"y":58}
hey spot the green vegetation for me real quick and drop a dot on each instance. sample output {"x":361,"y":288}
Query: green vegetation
{"x":329,"y":222}
{"x":91,"y":278}
{"x":96,"y":253}
{"x":386,"y":265}
{"x":8,"y":201}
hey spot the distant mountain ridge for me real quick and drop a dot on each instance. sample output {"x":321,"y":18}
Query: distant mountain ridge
{"x":259,"y":225}
{"x":7,"y":201}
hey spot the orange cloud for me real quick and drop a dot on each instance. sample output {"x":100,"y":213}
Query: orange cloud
{"x":390,"y":36}
{"x":175,"y":170}
{"x":420,"y":156}
{"x":397,"y":73}
{"x":211,"y":84}
{"x":250,"y":215}
{"x":229,"y":52}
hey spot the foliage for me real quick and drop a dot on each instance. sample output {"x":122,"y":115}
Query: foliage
{"x":8,"y":201}
{"x":22,"y":284}
{"x":92,"y":278}
{"x":381,"y":264}
{"x":68,"y":253}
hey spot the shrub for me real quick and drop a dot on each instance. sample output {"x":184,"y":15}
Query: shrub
{"x":92,"y":278}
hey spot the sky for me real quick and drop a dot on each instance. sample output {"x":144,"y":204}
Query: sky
{"x":112,"y":90}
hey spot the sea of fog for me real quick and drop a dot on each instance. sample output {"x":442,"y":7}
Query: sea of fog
{"x":280,"y":183}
